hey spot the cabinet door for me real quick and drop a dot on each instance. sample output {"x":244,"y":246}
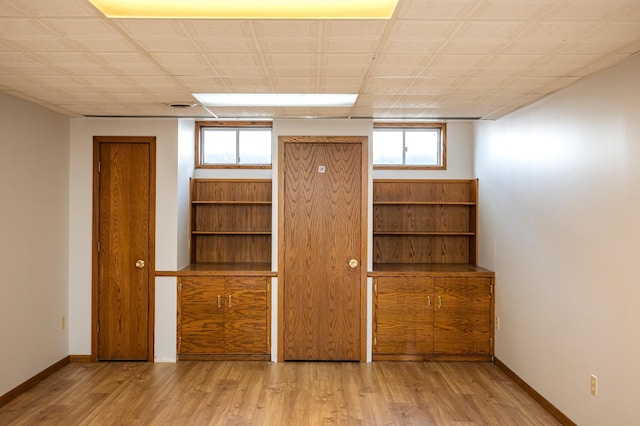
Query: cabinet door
{"x":247,"y":315}
{"x":200,"y":317}
{"x":462,"y":316}
{"x":404,"y":316}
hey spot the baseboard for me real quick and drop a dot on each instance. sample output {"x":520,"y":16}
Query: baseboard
{"x":80,"y":359}
{"x":20,"y":389}
{"x":551,"y":409}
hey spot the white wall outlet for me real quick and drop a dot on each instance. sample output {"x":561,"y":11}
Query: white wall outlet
{"x":594,"y":385}
{"x":497,"y":322}
{"x":62,"y":323}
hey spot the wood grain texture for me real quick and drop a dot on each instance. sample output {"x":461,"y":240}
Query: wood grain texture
{"x":424,"y":317}
{"x":322,"y":232}
{"x":262,"y":393}
{"x":223,"y":315}
{"x":231,"y":221}
{"x":125,"y":217}
{"x":403,"y":323}
{"x":425,"y":221}
{"x":463,"y":323}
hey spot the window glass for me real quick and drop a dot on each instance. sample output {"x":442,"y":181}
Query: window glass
{"x":387,"y":147}
{"x":411,"y":145}
{"x":254,"y":146}
{"x":421,"y":148}
{"x":219,"y":146}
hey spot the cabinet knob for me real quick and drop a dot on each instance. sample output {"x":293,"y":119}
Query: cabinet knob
{"x":140,"y":264}
{"x":353,"y":263}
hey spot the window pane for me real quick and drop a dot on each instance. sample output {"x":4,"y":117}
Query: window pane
{"x":218,"y":146}
{"x":255,"y":147}
{"x":421,"y":148}
{"x":387,"y":147}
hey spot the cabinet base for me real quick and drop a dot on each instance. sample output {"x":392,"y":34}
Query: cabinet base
{"x":475,"y":358}
{"x":224,"y":357}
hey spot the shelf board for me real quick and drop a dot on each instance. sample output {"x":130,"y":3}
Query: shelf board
{"x":231,"y":232}
{"x":425,"y":233}
{"x":424,"y":203}
{"x":232,"y":202}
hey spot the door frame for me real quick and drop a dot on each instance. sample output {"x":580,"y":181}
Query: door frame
{"x":151,"y":141}
{"x":364,"y":152}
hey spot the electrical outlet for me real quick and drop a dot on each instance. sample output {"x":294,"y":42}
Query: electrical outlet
{"x":594,"y":385}
{"x":497,"y":322}
{"x":62,"y":323}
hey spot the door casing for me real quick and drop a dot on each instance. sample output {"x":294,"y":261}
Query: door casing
{"x":363,"y":141}
{"x":150,"y":264}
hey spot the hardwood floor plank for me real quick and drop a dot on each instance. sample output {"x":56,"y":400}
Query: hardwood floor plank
{"x":260,"y":393}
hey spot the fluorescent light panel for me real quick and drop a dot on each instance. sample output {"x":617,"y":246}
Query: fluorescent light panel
{"x":247,"y":9}
{"x":276,"y":99}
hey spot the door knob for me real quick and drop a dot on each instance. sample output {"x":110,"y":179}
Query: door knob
{"x":353,"y":263}
{"x":140,"y":264}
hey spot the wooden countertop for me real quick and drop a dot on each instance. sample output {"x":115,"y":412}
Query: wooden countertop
{"x":237,"y":269}
{"x":412,"y":269}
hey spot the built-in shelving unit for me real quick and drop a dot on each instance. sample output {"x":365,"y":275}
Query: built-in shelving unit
{"x":425,"y":221}
{"x":231,"y":221}
{"x":431,"y":299}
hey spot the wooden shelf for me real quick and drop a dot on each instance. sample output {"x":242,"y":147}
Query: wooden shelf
{"x":424,"y":203}
{"x":230,"y":233}
{"x":425,"y":221}
{"x":231,"y":221}
{"x":232,"y":202}
{"x":425,"y":233}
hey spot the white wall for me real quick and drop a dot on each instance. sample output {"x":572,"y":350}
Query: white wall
{"x":34,"y":173}
{"x":559,"y":223}
{"x":167,"y":222}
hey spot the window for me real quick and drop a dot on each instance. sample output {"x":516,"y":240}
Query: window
{"x":409,"y":145}
{"x":233,"y":144}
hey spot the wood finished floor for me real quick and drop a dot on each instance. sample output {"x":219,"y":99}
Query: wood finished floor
{"x":261,"y":393}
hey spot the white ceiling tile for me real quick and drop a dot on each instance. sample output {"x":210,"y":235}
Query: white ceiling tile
{"x":386,"y":86}
{"x":283,"y":29}
{"x":402,"y":30}
{"x":202,"y":29}
{"x":158,"y":35}
{"x":297,"y":46}
{"x":202,"y":83}
{"x":53,"y":8}
{"x":589,"y":10}
{"x":559,"y":32}
{"x":513,"y":10}
{"x":183,"y":64}
{"x":435,"y":9}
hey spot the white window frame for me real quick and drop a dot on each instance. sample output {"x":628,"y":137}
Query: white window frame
{"x":413,"y":127}
{"x":202,"y":126}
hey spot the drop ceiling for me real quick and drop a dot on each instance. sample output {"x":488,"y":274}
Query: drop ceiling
{"x":432,"y":59}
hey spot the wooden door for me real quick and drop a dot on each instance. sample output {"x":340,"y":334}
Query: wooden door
{"x":462,"y":316}
{"x":321,"y":219}
{"x":404,"y":316}
{"x":123,"y":240}
{"x":246,"y":316}
{"x":201,"y":315}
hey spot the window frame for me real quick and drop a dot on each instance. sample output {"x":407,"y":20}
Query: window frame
{"x":402,"y":126}
{"x":230,"y":125}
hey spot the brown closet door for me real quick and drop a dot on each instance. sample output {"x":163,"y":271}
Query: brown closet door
{"x":322,"y":233}
{"x":124,"y":264}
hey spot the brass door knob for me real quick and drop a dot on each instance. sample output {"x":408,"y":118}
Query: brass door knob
{"x":140,"y":264}
{"x":353,"y":263}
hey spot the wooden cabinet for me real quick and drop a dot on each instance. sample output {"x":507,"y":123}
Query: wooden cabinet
{"x":432,"y":301}
{"x":224,"y":317}
{"x":231,"y":221}
{"x":425,"y":221}
{"x":430,"y":317}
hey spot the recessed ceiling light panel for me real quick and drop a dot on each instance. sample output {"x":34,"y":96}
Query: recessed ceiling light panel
{"x":247,"y":9}
{"x":276,"y":99}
